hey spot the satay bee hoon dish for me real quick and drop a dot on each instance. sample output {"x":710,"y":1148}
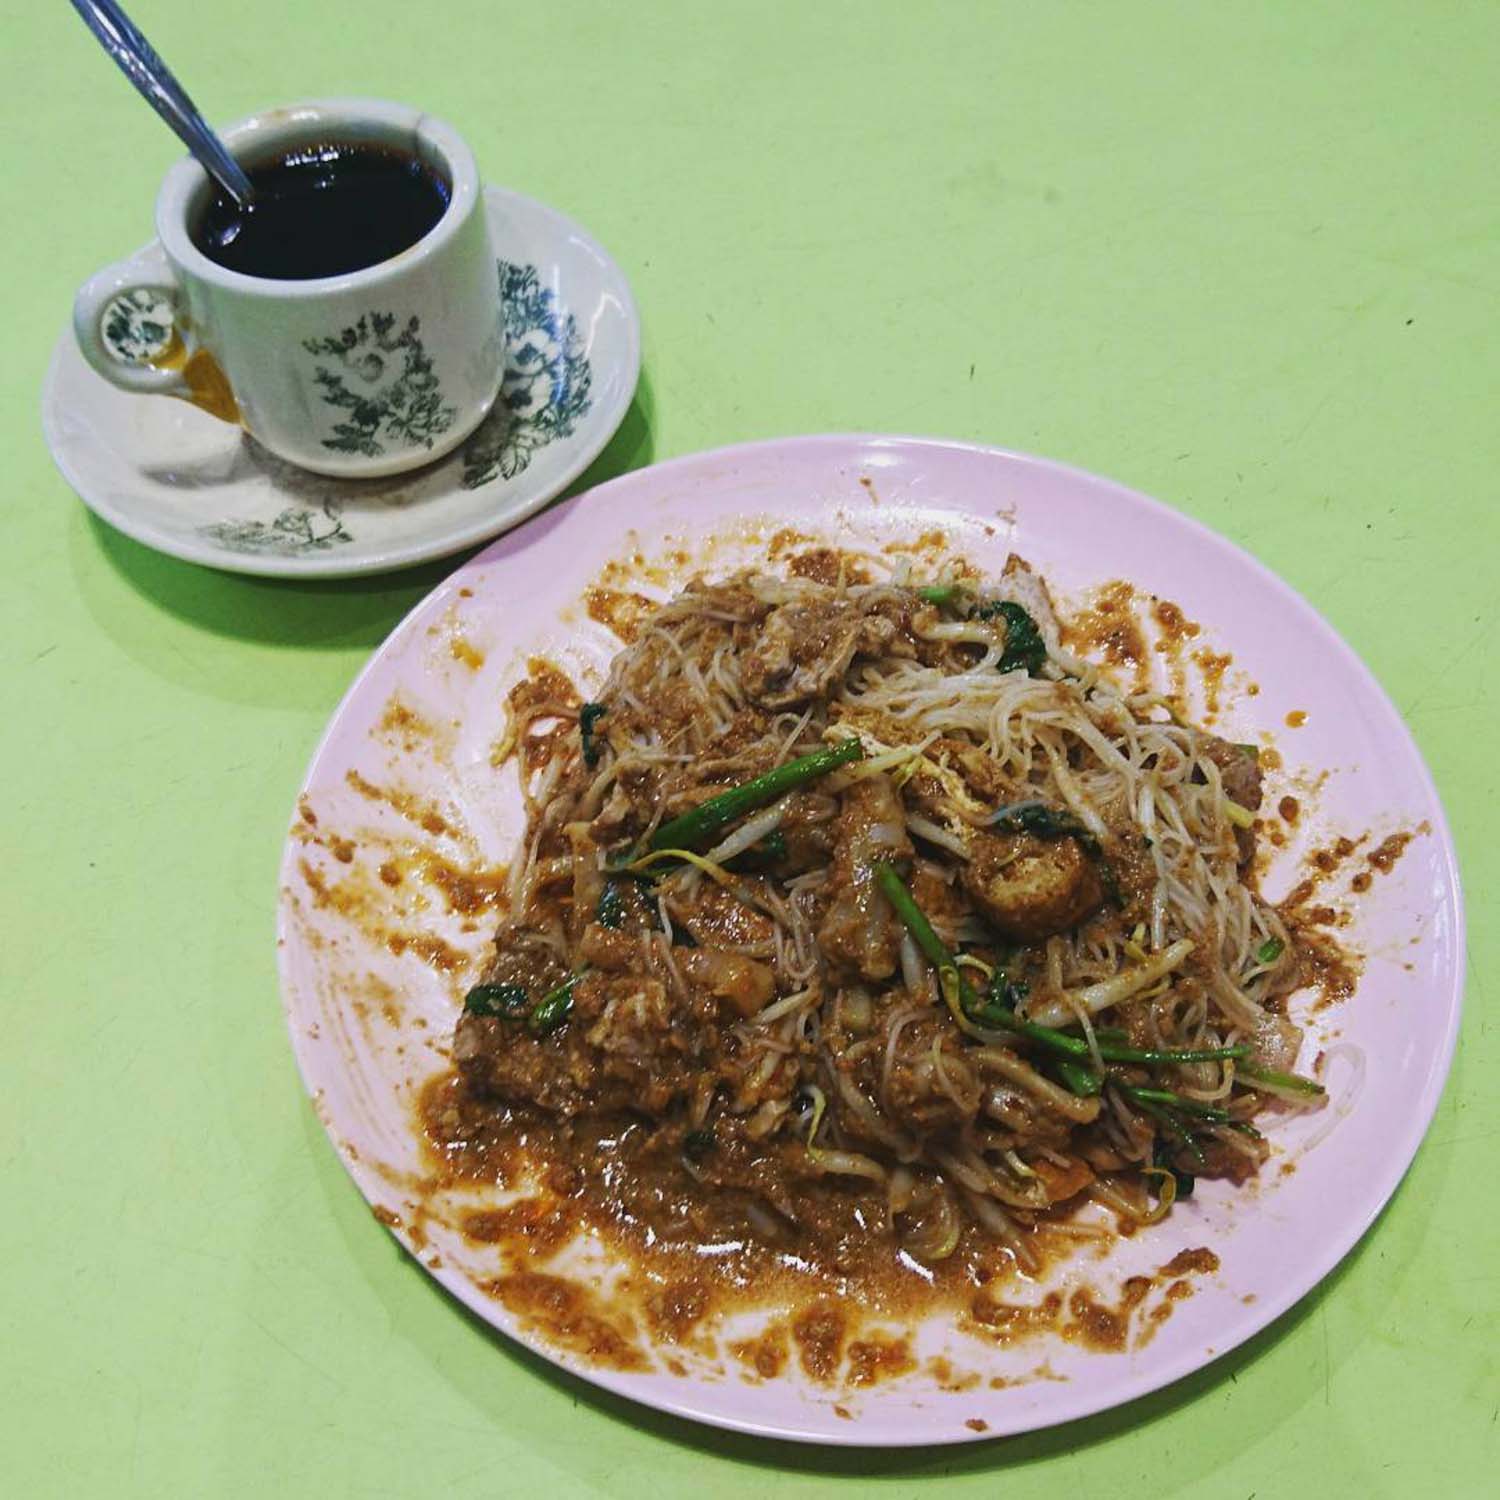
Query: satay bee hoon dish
{"x":820,"y":977}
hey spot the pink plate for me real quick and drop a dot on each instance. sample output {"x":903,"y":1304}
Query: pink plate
{"x":369,"y":1023}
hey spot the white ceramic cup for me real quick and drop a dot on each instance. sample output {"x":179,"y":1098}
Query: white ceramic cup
{"x":363,"y":374}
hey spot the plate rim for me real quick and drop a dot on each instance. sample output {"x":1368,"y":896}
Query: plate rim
{"x":387,"y":559}
{"x":1269,"y":1307}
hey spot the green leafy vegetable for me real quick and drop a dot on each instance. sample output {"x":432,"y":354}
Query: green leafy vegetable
{"x":1041,"y":821}
{"x":1269,"y":951}
{"x":1024,"y":646}
{"x":588,"y":716}
{"x":706,"y":821}
{"x":611,"y":909}
{"x":769,"y":851}
{"x":553,"y":1008}
{"x":1185,"y":1182}
{"x":1002,"y":996}
{"x":508,"y":1000}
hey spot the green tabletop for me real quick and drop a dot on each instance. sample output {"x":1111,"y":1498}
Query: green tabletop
{"x":1243,"y":257}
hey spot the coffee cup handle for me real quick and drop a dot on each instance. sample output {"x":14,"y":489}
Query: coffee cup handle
{"x":125,"y":321}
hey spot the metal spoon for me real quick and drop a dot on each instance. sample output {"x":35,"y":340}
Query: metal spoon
{"x":138,"y":61}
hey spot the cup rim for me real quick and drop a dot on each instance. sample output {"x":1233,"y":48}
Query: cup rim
{"x":186,"y":180}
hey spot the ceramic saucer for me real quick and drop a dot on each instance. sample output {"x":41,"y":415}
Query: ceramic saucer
{"x":185,"y":483}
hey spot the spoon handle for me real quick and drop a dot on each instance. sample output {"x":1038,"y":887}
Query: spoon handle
{"x":138,"y":61}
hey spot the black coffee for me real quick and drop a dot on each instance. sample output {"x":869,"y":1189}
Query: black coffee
{"x":322,"y":210}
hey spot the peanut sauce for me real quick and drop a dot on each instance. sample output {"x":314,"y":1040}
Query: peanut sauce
{"x":622,"y":613}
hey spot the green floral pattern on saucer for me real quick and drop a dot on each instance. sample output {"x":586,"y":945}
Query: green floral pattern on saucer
{"x":547,"y":381}
{"x":296,"y":530}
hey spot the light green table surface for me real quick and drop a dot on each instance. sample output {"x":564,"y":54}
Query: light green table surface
{"x":1243,"y":257}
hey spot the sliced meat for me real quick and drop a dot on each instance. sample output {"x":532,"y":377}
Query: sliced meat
{"x":1239,"y":770}
{"x":1022,"y":586}
{"x":633,"y":1017}
{"x":1063,"y":1183}
{"x":744,"y":983}
{"x":617,"y":817}
{"x":930,"y":1087}
{"x":1030,"y":888}
{"x":981,"y":772}
{"x":604,"y":948}
{"x":622,"y":1048}
{"x":732,"y":598}
{"x":858,"y":929}
{"x":719,"y":919}
{"x":804,"y":647}
{"x":807,"y":830}
{"x":1277,"y":1042}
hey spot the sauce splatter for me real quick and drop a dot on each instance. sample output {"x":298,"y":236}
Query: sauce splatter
{"x":675,"y":1310}
{"x":543,"y":1226}
{"x":1331,"y":973}
{"x":767,"y":1353}
{"x":946,"y":1378}
{"x":785,"y":540}
{"x":1083,"y":1317}
{"x":1109,"y":627}
{"x":878,"y":1357}
{"x":819,"y":1332}
{"x":466,"y":654}
{"x":1384,"y":856}
{"x":410,"y":807}
{"x":404,"y":725}
{"x":1212,"y":665}
{"x":623,"y":613}
{"x":1199,"y":1262}
{"x":827,"y":566}
{"x":1173,"y":623}
{"x":467,"y":892}
{"x":1097,"y":1325}
{"x":433,"y":951}
{"x":359,"y":904}
{"x":568,"y":1316}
